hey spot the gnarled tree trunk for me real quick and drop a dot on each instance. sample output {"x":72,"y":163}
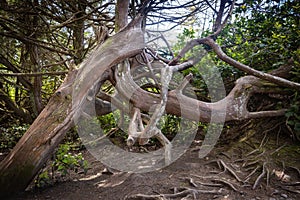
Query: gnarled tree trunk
{"x":21,"y":165}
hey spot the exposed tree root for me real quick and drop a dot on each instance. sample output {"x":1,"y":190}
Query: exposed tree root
{"x":255,"y":169}
{"x":295,"y":168}
{"x":259,"y":166}
{"x":254,"y":164}
{"x":218,"y":182}
{"x":263,"y":173}
{"x":290,"y":190}
{"x":110,"y":133}
{"x":183,"y":192}
{"x":227,"y":168}
{"x":225,"y":183}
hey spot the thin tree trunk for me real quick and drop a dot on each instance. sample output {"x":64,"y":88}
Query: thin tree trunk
{"x":78,"y":33}
{"x":121,"y":14}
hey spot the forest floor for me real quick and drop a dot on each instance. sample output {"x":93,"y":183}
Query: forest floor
{"x":263,"y":167}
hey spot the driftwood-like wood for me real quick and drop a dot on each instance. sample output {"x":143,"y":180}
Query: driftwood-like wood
{"x":234,"y":105}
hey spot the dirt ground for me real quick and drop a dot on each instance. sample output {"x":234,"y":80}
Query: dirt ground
{"x":244,"y":170}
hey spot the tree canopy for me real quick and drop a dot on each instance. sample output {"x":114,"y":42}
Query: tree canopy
{"x":41,"y":38}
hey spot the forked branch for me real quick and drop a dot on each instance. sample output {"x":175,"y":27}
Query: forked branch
{"x":234,"y":104}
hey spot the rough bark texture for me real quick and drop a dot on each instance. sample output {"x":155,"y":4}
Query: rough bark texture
{"x":34,"y":148}
{"x":38,"y":143}
{"x":234,"y":105}
{"x":121,"y":14}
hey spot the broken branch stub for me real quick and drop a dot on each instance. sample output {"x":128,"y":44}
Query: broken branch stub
{"x":151,"y":129}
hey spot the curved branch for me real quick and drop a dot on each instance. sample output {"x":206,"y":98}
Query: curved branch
{"x":235,"y":103}
{"x":220,"y":53}
{"x":35,"y":74}
{"x":219,"y":25}
{"x":265,"y":76}
{"x":21,"y":113}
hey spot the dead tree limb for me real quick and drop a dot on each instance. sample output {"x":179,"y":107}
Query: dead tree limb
{"x":218,"y":50}
{"x":235,"y":103}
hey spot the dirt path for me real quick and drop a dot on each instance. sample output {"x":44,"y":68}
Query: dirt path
{"x":224,"y":174}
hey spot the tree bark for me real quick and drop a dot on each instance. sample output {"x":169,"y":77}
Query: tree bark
{"x":121,"y":14}
{"x":234,"y":105}
{"x":78,"y":32}
{"x":39,"y":142}
{"x":34,"y":148}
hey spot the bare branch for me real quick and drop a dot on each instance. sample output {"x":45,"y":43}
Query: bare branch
{"x":265,"y":76}
{"x":220,"y":25}
{"x":11,"y":67}
{"x":34,"y":74}
{"x":217,"y":49}
{"x":235,"y":102}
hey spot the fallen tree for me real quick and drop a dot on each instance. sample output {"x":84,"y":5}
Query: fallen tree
{"x":48,"y":130}
{"x":36,"y":146}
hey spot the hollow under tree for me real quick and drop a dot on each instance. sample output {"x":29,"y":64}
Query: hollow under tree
{"x":21,"y":165}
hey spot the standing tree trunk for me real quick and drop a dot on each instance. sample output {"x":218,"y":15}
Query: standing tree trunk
{"x":78,"y":32}
{"x":121,"y":14}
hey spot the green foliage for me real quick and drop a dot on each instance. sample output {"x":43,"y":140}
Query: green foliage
{"x":108,"y":121}
{"x":182,"y":38}
{"x":189,"y":33}
{"x":264,"y":35}
{"x":204,"y":72}
{"x":109,"y":124}
{"x":50,"y":85}
{"x":198,"y":51}
{"x":42,"y":180}
{"x":203,"y":126}
{"x":66,"y":160}
{"x":170,"y":125}
{"x":11,"y":135}
{"x":293,"y":118}
{"x":296,"y":67}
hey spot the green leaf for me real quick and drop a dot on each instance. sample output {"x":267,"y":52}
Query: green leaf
{"x":289,"y":114}
{"x":60,"y":168}
{"x":297,"y":126}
